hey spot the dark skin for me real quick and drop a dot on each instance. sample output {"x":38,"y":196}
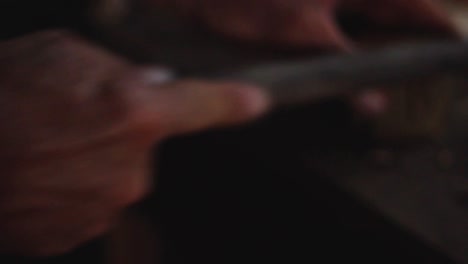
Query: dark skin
{"x":78,"y":123}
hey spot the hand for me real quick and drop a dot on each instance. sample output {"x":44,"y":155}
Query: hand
{"x":77,"y":128}
{"x":305,"y":23}
{"x":310,"y":23}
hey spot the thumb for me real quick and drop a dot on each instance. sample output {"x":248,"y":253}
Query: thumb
{"x":191,"y":106}
{"x":162,"y":109}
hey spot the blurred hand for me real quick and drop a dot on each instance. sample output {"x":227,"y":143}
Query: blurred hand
{"x":305,"y":23}
{"x":309,"y":24}
{"x":292,"y":23}
{"x":77,"y":128}
{"x":313,"y":23}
